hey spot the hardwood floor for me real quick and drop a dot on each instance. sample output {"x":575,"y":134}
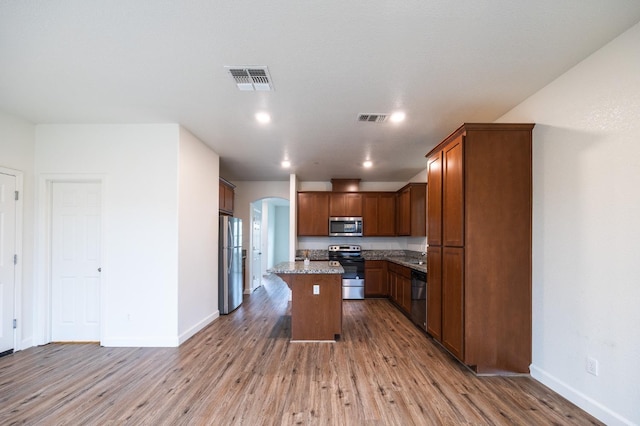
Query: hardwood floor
{"x":242,"y":369}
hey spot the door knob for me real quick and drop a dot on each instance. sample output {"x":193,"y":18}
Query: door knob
{"x":99,"y":269}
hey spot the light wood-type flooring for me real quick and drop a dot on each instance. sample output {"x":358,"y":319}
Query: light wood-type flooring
{"x":242,"y":369}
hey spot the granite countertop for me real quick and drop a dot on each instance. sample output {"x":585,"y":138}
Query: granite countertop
{"x":406,"y":258}
{"x":314,"y":267}
{"x":410,"y":262}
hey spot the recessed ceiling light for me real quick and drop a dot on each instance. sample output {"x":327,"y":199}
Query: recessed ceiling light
{"x":263,"y":117}
{"x":286,"y":164}
{"x":397,"y":117}
{"x":367,"y":164}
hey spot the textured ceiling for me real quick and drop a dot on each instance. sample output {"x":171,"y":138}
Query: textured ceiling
{"x":441,"y":62}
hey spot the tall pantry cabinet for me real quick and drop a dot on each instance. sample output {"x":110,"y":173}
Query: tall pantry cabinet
{"x":479,"y":256}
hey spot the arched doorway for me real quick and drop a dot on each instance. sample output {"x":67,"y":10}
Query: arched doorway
{"x":268,"y":239}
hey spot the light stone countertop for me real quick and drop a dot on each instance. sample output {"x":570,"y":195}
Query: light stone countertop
{"x":314,"y":267}
{"x":410,"y":263}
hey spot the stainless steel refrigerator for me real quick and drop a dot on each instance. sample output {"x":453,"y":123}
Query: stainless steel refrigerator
{"x":230,"y":264}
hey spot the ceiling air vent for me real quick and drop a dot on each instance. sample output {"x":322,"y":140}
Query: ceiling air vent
{"x":373,"y":118}
{"x":249,"y":78}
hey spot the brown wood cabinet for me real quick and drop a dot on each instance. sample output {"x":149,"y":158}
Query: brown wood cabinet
{"x":226,"y":196}
{"x":313,"y":214}
{"x":411,"y":210}
{"x":315,"y":316}
{"x":434,"y":292}
{"x":384,"y":214}
{"x":434,"y":199}
{"x":379,"y":214}
{"x":345,"y":204}
{"x":403,"y":208}
{"x":479,"y":256}
{"x":376,"y":283}
{"x":453,"y":300}
{"x":400,"y":286}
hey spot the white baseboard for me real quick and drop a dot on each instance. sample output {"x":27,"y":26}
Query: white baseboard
{"x":197,"y":327}
{"x":25,"y":344}
{"x":591,"y":406}
{"x":140,"y":342}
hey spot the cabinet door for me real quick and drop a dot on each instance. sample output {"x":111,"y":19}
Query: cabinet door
{"x":313,"y":214}
{"x":229,"y":199}
{"x":393,"y":284}
{"x":453,"y":194}
{"x":225,"y":197}
{"x":379,"y":214}
{"x":221,"y":196}
{"x":453,"y":300}
{"x":434,"y":292}
{"x":345,"y":205}
{"x":418,"y":207}
{"x":387,"y":214}
{"x":434,"y":200}
{"x":406,"y":293}
{"x":375,"y":278}
{"x":404,"y":212}
{"x":353,"y":203}
{"x":370,"y":215}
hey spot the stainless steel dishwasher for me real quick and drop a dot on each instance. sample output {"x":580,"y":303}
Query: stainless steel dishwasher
{"x":419,"y":298}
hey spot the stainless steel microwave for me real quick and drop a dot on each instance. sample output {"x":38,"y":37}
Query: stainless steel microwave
{"x":345,"y":227}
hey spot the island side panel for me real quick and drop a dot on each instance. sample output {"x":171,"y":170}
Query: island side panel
{"x":315,"y":316}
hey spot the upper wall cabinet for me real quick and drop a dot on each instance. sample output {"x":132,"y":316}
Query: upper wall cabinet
{"x":384,"y":214}
{"x":313,"y":214}
{"x":411,"y":210}
{"x":379,"y":214}
{"x":226,"y":197}
{"x":345,"y":204}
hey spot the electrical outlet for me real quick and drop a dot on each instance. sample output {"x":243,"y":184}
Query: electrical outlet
{"x":316,"y":289}
{"x":592,"y":366}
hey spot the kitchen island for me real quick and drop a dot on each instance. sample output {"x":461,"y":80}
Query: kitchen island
{"x":316,"y":299}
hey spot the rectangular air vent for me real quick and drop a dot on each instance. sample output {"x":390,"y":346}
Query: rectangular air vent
{"x":249,"y":78}
{"x":373,"y":118}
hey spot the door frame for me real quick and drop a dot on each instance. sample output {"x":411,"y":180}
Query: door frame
{"x":17,"y":284}
{"x":252,"y":267}
{"x":43,"y":279}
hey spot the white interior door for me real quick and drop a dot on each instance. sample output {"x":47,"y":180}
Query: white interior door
{"x":75,"y":266}
{"x":256,"y":249}
{"x":7,"y":266}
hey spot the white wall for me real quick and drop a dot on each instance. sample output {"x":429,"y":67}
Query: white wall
{"x":586,"y":229}
{"x":17,"y":146}
{"x":281,"y":237}
{"x":197,"y":235}
{"x":140,"y":209}
{"x":247,"y":192}
{"x":270,"y":232}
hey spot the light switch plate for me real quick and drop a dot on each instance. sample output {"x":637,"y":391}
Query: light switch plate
{"x":316,"y":289}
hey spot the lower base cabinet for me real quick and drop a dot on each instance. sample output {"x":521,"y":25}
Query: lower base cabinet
{"x":400,"y":286}
{"x":376,"y":283}
{"x":434,"y":292}
{"x":453,"y":300}
{"x":315,"y":315}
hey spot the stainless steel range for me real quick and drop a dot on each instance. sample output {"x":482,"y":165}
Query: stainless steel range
{"x":350,"y":258}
